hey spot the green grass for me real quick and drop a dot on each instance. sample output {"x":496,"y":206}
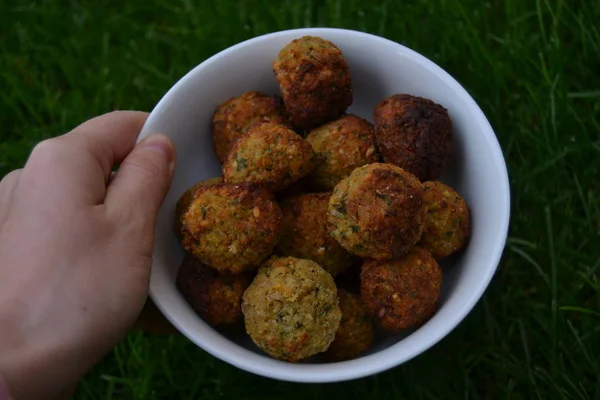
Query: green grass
{"x":532,"y":65}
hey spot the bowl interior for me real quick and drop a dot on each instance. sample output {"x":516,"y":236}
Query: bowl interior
{"x":379,"y":69}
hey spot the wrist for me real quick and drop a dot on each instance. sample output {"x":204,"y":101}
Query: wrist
{"x":43,"y":369}
{"x":37,"y":363}
{"x":4,"y":392}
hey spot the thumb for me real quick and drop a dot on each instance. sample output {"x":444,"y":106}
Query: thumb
{"x":143,"y":179}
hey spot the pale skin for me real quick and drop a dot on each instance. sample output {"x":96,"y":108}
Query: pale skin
{"x":76,"y":250}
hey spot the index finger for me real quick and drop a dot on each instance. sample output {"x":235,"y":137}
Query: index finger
{"x":80,"y":162}
{"x":110,"y":137}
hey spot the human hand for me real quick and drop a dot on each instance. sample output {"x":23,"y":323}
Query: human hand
{"x":76,"y":249}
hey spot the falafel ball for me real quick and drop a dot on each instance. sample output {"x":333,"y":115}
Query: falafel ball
{"x":236,"y":115}
{"x":447,"y":221}
{"x":291,"y":308}
{"x":304,"y":234}
{"x":355,"y":333}
{"x":415,"y":134}
{"x":231,"y":228}
{"x":186,"y":199}
{"x":403,"y":293}
{"x":269,"y":154}
{"x":315,"y":81}
{"x":377,"y":212}
{"x":215,"y":297}
{"x":340,"y":147}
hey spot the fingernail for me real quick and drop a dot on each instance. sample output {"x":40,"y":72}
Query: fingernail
{"x":160,"y":144}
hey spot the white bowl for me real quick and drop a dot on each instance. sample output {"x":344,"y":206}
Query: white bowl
{"x":379,"y":69}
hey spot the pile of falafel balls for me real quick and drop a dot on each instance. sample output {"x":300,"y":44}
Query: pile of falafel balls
{"x":323,"y":226}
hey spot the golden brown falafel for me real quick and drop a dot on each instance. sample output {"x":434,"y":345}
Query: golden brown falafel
{"x":315,"y":81}
{"x":377,"y":212}
{"x":268,"y":154}
{"x":304,"y":234}
{"x":231,"y":228}
{"x":403,"y":293}
{"x":215,"y":297}
{"x":341,"y":146}
{"x":291,"y":308}
{"x":447,"y":221}
{"x":355,"y":334}
{"x":186,"y":199}
{"x":415,"y":134}
{"x":236,"y":115}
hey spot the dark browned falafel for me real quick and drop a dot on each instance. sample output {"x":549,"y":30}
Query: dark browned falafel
{"x":415,"y":134}
{"x":217,"y":298}
{"x":315,"y":81}
{"x":403,"y":293}
{"x":355,"y":334}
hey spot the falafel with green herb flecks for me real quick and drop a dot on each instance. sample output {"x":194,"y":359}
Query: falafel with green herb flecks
{"x":304,"y":234}
{"x":355,"y":334}
{"x":447,"y":220}
{"x":231,"y":228}
{"x":233,"y":118}
{"x":186,"y":199}
{"x":404,"y":293}
{"x":315,"y":81}
{"x":341,"y":146}
{"x":269,"y":154}
{"x":415,"y":134}
{"x":216,"y":297}
{"x":377,"y":212}
{"x":291,"y":308}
